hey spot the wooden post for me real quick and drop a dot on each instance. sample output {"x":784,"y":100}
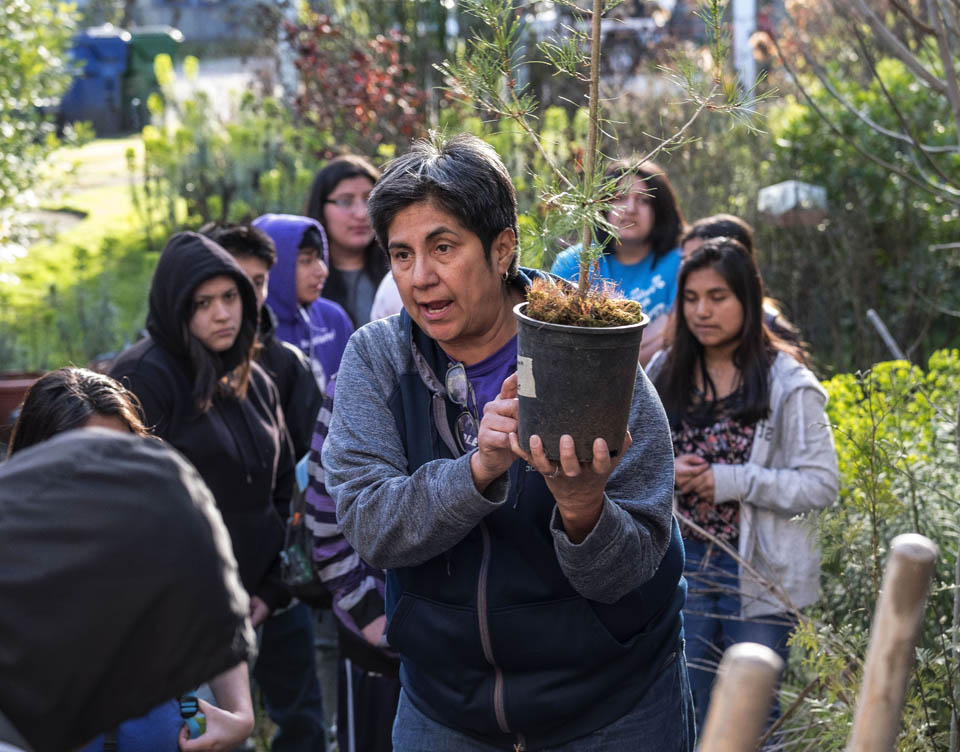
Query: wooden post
{"x":740,"y":702}
{"x":896,"y":627}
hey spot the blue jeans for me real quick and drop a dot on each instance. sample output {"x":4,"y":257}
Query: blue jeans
{"x":286,"y":673}
{"x":662,"y":721}
{"x":712,"y":621}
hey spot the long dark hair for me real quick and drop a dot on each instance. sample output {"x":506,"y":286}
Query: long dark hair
{"x":66,"y":399}
{"x":753,"y":356}
{"x":667,"y":218}
{"x":731,"y":226}
{"x":207,"y":367}
{"x":324,"y":183}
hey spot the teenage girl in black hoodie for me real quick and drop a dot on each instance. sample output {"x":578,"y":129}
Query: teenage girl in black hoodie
{"x":202,"y":393}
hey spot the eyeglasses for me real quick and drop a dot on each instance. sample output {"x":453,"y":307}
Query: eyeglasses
{"x":460,"y":391}
{"x":347,"y":202}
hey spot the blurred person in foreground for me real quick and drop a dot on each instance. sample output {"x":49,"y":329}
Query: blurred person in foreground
{"x":118,"y":588}
{"x":70,"y":398}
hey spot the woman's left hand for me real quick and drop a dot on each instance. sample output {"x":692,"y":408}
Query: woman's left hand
{"x":576,"y":486}
{"x":225,"y":730}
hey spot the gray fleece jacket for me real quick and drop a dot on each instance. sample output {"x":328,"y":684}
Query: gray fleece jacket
{"x":395,"y":519}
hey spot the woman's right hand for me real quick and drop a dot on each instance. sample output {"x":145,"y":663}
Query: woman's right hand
{"x":494,"y":456}
{"x":686,"y":467}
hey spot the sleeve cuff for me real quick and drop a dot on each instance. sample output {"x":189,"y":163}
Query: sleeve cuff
{"x":465,"y":501}
{"x":608,"y":529}
{"x":726,"y":484}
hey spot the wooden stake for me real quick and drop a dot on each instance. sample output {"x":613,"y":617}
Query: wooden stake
{"x":740,"y":702}
{"x":896,"y":627}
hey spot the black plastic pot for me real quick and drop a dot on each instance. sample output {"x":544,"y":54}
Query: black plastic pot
{"x":576,"y":380}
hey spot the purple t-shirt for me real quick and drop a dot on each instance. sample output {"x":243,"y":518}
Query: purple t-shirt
{"x":488,"y":375}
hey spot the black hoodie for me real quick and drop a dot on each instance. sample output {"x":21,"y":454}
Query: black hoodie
{"x":118,"y":589}
{"x":240,"y":446}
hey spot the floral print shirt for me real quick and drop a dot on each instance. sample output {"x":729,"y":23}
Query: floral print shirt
{"x":720,"y":439}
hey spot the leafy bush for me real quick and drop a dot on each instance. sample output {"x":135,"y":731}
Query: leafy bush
{"x":198,"y":167}
{"x":881,"y":242}
{"x":34,"y":36}
{"x":356,"y":93}
{"x":895,"y":432}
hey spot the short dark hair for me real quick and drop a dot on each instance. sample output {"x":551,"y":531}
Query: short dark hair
{"x":312,"y":238}
{"x":668,"y":221}
{"x":241,"y":240}
{"x":67,"y":398}
{"x":464,"y":176}
{"x":721,"y":226}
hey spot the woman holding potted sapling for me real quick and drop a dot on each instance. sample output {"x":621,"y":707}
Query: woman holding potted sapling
{"x":755,"y":460}
{"x":644,"y":261}
{"x":534,"y":604}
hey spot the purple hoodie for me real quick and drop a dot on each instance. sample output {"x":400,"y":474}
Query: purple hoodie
{"x":321,"y":329}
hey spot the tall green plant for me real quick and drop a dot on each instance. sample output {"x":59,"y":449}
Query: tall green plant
{"x":200,"y":166}
{"x":486,"y":73}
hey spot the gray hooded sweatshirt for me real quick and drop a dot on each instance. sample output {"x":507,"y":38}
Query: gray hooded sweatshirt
{"x":790,"y":475}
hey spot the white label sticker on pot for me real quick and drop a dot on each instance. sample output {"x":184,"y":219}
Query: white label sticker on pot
{"x":526,"y":386}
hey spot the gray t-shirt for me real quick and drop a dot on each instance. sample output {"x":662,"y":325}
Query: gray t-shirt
{"x":359,"y":295}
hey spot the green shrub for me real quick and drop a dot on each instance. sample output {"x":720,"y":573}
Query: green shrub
{"x":99,"y":311}
{"x":894,"y":428}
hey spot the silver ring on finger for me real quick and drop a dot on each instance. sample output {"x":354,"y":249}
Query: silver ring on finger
{"x":556,"y":472}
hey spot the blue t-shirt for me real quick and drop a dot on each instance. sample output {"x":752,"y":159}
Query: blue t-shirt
{"x":654,"y":286}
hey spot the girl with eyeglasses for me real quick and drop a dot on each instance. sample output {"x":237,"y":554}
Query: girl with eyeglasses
{"x":338,"y":201}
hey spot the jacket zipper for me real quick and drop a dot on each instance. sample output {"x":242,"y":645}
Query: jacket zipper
{"x":498,"y":701}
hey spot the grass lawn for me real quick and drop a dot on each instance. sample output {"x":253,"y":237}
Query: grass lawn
{"x":94,"y":182}
{"x":82,"y":289}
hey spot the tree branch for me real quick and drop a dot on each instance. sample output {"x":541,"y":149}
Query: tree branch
{"x":866,"y":119}
{"x":932,"y":189}
{"x":898,"y":48}
{"x":591,"y":155}
{"x":946,"y":59}
{"x":678,"y":135}
{"x":916,"y":22}
{"x":951,"y":183}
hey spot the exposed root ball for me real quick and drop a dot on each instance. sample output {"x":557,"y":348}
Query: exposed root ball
{"x":601,"y":306}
